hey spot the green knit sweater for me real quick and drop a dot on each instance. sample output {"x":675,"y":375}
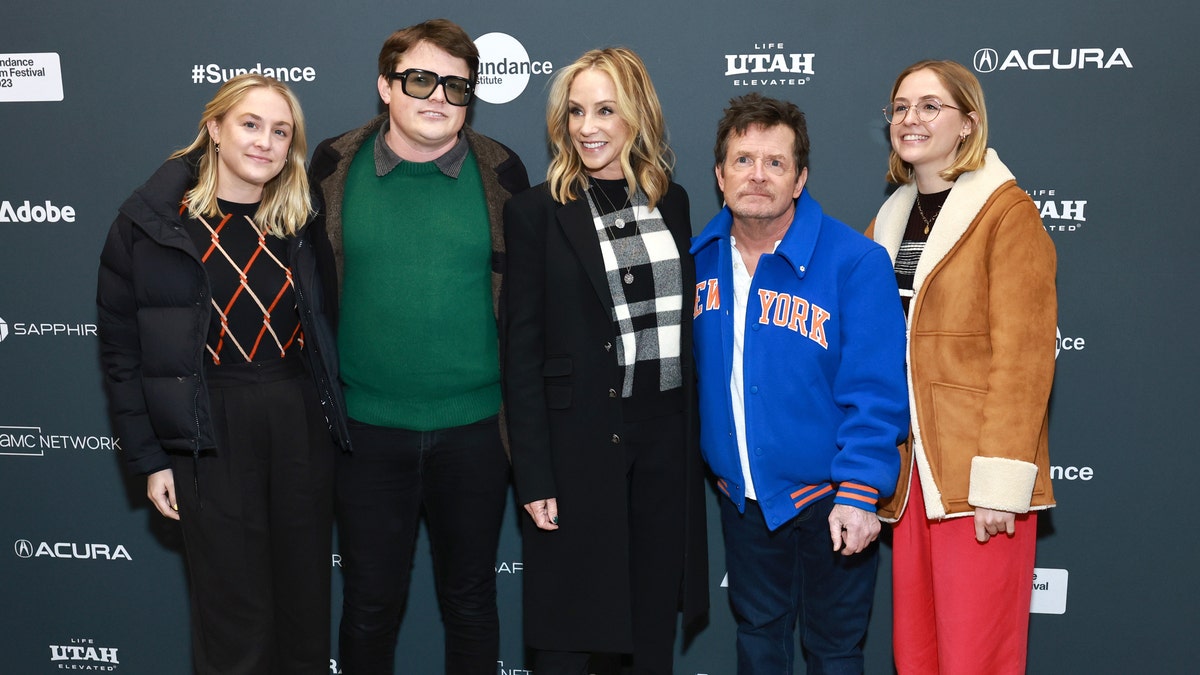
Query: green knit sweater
{"x":416,"y":334}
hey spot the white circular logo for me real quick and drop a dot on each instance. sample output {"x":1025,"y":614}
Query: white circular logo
{"x":3,"y":330}
{"x":503,"y":68}
{"x":23,"y":548}
{"x":986,"y":60}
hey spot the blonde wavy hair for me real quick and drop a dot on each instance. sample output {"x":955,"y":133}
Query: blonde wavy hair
{"x":646,"y":159}
{"x":967,"y":93}
{"x":286,"y":204}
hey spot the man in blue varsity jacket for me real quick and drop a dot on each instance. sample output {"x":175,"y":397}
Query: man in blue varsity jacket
{"x":799,"y":345}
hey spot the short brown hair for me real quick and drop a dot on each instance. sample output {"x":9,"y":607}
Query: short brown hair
{"x":441,"y":33}
{"x":756,"y":110}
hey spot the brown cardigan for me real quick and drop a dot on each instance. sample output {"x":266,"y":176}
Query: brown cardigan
{"x":981,"y":348}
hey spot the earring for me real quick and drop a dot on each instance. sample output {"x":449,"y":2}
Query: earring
{"x":218,"y":147}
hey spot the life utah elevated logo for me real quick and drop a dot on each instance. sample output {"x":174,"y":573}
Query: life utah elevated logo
{"x":770,"y":63}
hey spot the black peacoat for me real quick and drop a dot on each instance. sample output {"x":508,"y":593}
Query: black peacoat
{"x":560,"y":364}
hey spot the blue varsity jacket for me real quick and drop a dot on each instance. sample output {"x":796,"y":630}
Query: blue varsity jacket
{"x":826,"y":399}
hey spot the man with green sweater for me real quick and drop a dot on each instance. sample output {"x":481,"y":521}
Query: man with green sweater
{"x":411,"y":205}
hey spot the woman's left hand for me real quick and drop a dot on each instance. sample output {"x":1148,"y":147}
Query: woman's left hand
{"x":989,"y":522}
{"x":544,"y":513}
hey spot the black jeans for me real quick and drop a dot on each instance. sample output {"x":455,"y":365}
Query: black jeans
{"x":459,"y":478}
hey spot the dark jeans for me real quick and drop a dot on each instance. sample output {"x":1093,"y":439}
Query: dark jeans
{"x":459,"y":478}
{"x":792,"y":575}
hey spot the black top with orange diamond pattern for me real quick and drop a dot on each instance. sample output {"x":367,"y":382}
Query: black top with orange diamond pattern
{"x":254,"y":314}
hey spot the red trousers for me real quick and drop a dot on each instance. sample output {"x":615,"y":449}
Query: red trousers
{"x":960,"y":607}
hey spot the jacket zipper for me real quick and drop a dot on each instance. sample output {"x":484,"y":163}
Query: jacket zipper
{"x":318,"y":366}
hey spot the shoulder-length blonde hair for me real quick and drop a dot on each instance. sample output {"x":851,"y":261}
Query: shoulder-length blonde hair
{"x":967,"y":93}
{"x":286,"y":204}
{"x":646,"y":159}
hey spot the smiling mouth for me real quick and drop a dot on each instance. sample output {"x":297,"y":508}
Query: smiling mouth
{"x":593,"y":145}
{"x":914,"y":137}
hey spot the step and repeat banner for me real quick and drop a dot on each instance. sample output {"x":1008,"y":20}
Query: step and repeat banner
{"x":1093,"y":105}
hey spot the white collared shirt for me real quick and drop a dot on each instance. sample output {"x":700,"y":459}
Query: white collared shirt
{"x":741,"y":296}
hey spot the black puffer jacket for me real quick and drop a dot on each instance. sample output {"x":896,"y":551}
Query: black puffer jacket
{"x":154,"y":302}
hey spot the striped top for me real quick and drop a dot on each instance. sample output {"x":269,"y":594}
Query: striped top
{"x":913,"y":244}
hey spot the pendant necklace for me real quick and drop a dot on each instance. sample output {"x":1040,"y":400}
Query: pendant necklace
{"x":619,"y":222}
{"x":928,"y":221}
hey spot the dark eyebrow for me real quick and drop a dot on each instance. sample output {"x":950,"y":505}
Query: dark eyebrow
{"x":745,"y":153}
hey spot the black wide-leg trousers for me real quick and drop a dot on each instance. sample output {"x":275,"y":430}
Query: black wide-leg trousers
{"x":257,"y":517}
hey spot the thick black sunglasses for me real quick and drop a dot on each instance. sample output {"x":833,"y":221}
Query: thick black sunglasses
{"x":421,"y":84}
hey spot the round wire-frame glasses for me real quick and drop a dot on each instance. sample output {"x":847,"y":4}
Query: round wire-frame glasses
{"x":927,"y":110}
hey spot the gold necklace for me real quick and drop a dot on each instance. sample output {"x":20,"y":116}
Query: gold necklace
{"x":928,"y":221}
{"x":618,"y":221}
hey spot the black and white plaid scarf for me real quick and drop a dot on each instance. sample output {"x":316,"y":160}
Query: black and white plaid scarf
{"x":647,"y":310}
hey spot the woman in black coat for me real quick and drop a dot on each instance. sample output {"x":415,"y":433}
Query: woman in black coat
{"x":219,"y":371}
{"x":599,"y":380}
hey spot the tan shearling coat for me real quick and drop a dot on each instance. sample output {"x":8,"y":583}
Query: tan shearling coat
{"x":981,"y":348}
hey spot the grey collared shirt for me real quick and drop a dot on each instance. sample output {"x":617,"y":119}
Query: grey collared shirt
{"x":450,"y":163}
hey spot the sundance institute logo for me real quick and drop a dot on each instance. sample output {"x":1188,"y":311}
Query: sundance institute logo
{"x":505,"y":68}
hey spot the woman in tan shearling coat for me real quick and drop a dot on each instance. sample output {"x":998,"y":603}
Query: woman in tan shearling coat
{"x":976,"y":272}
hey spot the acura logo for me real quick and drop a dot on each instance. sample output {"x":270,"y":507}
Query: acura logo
{"x":986,"y":60}
{"x":23,"y":548}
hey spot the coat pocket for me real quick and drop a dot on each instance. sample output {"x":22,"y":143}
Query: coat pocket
{"x":556,"y":372}
{"x":957,"y":419}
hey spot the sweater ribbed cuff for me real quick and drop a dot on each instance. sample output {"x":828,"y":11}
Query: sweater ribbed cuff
{"x":857,"y":495}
